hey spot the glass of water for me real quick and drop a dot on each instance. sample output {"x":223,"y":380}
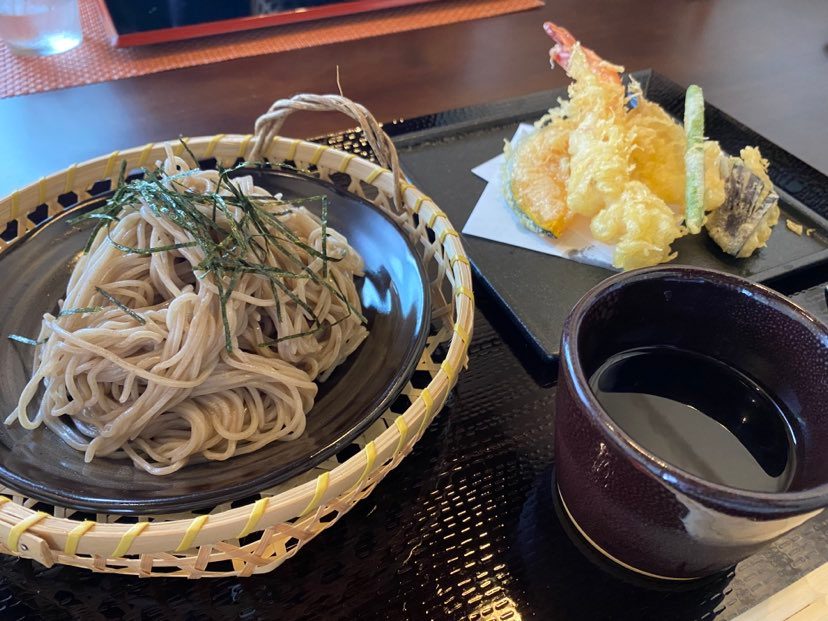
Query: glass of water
{"x":40,"y":27}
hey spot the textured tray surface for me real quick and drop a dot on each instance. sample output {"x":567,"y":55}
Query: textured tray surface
{"x":463,"y":528}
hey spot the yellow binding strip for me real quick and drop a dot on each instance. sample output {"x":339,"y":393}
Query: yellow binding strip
{"x":402,"y":426}
{"x":461,"y":290}
{"x":370,"y":458}
{"x":243,"y":146}
{"x":178,"y":149}
{"x":4,"y":500}
{"x":74,"y":536}
{"x":41,"y":191}
{"x":192,"y":531}
{"x":211,"y":146}
{"x":374,"y":174}
{"x":256,"y":514}
{"x":145,"y":154}
{"x":419,"y":203}
{"x":428,"y":401}
{"x":70,"y":178}
{"x":110,"y":164}
{"x":343,"y":165}
{"x":462,"y":333}
{"x":21,"y":527}
{"x":128,"y":537}
{"x":458,"y":259}
{"x":15,"y":198}
{"x":317,"y":155}
{"x":436,"y":214}
{"x":446,"y":233}
{"x":322,"y":482}
{"x":449,"y":370}
{"x":292,"y":151}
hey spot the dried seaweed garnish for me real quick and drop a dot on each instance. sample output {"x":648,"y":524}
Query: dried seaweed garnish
{"x":80,"y":311}
{"x":232,"y":245}
{"x":323,"y":326}
{"x":324,"y":236}
{"x":25,"y":340}
{"x":122,"y":306}
{"x":148,"y":251}
{"x":188,"y":150}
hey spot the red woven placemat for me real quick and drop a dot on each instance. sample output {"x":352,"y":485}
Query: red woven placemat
{"x":97,"y":61}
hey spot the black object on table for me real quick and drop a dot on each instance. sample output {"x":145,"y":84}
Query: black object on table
{"x":464,"y":528}
{"x":141,"y":22}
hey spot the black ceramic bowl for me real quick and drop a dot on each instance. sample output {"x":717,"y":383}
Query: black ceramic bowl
{"x":635,"y":508}
{"x":395,"y":299}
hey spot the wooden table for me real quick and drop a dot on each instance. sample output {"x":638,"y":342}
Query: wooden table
{"x":765,"y":62}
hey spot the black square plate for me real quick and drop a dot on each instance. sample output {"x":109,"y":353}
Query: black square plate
{"x":536,"y":290}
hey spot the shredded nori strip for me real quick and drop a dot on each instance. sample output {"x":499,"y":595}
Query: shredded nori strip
{"x":80,"y":311}
{"x":122,"y":306}
{"x":25,"y":340}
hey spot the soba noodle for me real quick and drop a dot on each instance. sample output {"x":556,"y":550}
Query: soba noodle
{"x":158,"y":358}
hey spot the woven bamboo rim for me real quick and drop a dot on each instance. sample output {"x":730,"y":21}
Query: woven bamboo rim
{"x":261,"y":535}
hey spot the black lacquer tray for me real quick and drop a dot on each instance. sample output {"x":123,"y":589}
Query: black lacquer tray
{"x":537,"y":290}
{"x":467,"y":527}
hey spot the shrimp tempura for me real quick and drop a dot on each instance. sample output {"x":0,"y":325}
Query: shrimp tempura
{"x":599,"y":152}
{"x":614,"y":160}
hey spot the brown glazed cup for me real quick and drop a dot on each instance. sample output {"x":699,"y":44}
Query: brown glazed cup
{"x":633,"y":507}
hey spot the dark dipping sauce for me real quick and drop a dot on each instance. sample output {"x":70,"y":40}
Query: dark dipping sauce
{"x":699,"y":414}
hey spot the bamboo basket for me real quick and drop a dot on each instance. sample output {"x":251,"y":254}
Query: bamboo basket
{"x":262,"y":534}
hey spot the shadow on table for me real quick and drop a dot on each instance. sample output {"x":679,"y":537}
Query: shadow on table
{"x":573,"y":587}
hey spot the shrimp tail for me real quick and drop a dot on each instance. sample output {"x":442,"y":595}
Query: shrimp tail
{"x":561,"y":54}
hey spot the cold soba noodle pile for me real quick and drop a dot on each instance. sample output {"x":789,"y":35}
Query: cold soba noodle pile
{"x":195,"y":323}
